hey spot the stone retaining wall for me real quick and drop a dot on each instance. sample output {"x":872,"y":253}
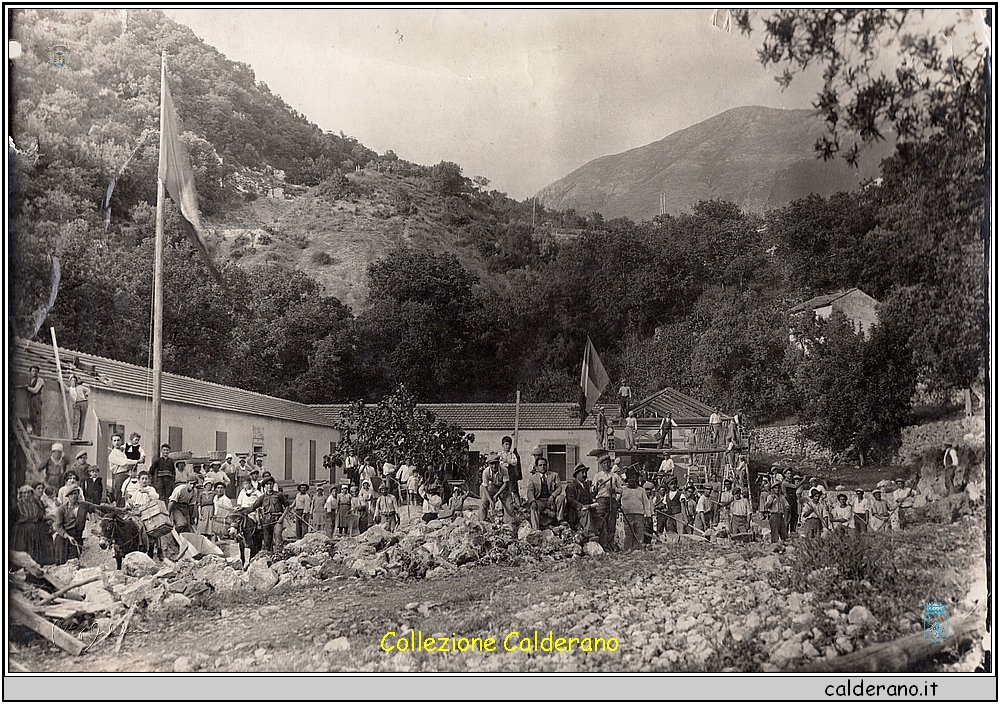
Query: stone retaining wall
{"x":784,"y":441}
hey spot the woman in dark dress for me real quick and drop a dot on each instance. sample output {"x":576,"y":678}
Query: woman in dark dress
{"x":30,"y":532}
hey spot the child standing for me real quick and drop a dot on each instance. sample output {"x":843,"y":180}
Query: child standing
{"x":320,"y":518}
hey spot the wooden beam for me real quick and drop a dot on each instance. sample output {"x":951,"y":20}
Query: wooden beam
{"x":60,"y":592}
{"x":62,"y":384}
{"x":20,"y":612}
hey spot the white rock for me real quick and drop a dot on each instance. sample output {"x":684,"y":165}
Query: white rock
{"x":860,"y":616}
{"x":786,"y":652}
{"x":176,"y":601}
{"x":261,"y":577}
{"x":593,"y":549}
{"x":139,"y":564}
{"x":809,"y":650}
{"x":183,"y":664}
{"x":337,"y":645}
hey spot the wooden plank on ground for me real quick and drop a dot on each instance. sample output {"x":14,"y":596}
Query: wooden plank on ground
{"x":20,"y":612}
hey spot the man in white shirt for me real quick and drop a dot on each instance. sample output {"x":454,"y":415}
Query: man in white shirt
{"x":510,"y":464}
{"x":79,"y":395}
{"x":140,"y":494}
{"x":861,"y":509}
{"x":624,"y":399}
{"x":715,"y":425}
{"x":119,"y":466}
{"x":902,"y":498}
{"x":215,"y":474}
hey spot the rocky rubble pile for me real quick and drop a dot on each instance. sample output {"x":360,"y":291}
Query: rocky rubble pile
{"x":438,"y":548}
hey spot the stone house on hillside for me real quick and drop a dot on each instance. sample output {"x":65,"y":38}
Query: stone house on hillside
{"x":856,"y":305}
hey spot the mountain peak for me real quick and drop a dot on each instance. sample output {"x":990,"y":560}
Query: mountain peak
{"x":755,"y":156}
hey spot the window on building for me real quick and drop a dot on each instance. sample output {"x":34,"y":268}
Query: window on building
{"x":221,"y":441}
{"x":312,"y":460}
{"x":175,"y":438}
{"x":288,"y":458}
{"x":562,"y":458}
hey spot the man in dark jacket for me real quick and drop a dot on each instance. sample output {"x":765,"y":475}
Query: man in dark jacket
{"x":272,"y":507}
{"x":582,"y":508}
{"x":161,"y":471}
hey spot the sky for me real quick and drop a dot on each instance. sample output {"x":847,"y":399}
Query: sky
{"x":520,"y":96}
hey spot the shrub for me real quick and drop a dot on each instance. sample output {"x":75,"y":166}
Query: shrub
{"x":321,"y":258}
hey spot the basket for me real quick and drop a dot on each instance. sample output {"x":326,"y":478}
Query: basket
{"x":217,"y":455}
{"x":157,"y":522}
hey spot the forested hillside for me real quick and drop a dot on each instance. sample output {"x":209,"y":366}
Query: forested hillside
{"x":454,"y":289}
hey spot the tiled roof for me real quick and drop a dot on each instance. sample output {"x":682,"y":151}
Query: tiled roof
{"x":493,"y":416}
{"x":820,"y":301}
{"x":685,"y":409}
{"x":138,"y":381}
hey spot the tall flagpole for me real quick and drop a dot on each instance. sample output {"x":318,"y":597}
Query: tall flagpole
{"x":158,"y":271}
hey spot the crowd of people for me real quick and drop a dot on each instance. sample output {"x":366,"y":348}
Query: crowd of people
{"x":230,"y":499}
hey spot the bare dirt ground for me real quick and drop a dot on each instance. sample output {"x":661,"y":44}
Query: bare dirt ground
{"x":687,"y":606}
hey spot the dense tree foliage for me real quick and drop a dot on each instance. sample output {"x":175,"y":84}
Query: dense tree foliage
{"x":696,"y":301}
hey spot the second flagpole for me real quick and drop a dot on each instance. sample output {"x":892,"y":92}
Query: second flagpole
{"x":158,"y":273}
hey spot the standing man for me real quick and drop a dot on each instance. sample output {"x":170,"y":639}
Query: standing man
{"x":878,"y":516}
{"x":119,"y":465}
{"x":673,"y":504}
{"x":182,"y":505}
{"x":303,"y":508}
{"x":494,"y":486}
{"x":602,"y":427}
{"x":541,"y":490}
{"x":951,"y":463}
{"x":776,"y":508}
{"x":624,"y":399}
{"x":791,"y":486}
{"x":902,"y":498}
{"x":667,"y":426}
{"x":607,"y":487}
{"x":860,"y":506}
{"x":272,"y":505}
{"x":510,"y":464}
{"x":715,"y":425}
{"x":79,"y":394}
{"x":739,"y":512}
{"x":34,"y":387}
{"x":162,"y":471}
{"x":351,"y":468}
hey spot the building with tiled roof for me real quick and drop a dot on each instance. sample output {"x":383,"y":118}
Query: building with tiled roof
{"x":856,"y":305}
{"x":197,"y":416}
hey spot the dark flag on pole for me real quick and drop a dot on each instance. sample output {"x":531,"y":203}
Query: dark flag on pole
{"x":175,"y":170}
{"x":593,"y":380}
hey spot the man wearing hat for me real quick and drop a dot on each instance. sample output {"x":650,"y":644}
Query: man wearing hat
{"x":183,"y":505}
{"x":813,"y":513}
{"x":494,"y":487}
{"x":303,"y":508}
{"x":510,"y":464}
{"x":215,"y":474}
{"x":386,"y":509}
{"x":902,"y":497}
{"x":271,"y":506}
{"x":791,"y":485}
{"x":607,"y":488}
{"x":183,"y":473}
{"x":776,"y":508}
{"x":634,"y":502}
{"x":581,"y":508}
{"x":673,"y":504}
{"x":860,"y":506}
{"x":739,"y":513}
{"x":878,"y":511}
{"x":69,"y":525}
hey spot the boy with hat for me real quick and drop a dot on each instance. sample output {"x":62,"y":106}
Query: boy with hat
{"x":303,"y":508}
{"x":271,"y":506}
{"x":494,"y":487}
{"x":860,"y":506}
{"x":93,"y":484}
